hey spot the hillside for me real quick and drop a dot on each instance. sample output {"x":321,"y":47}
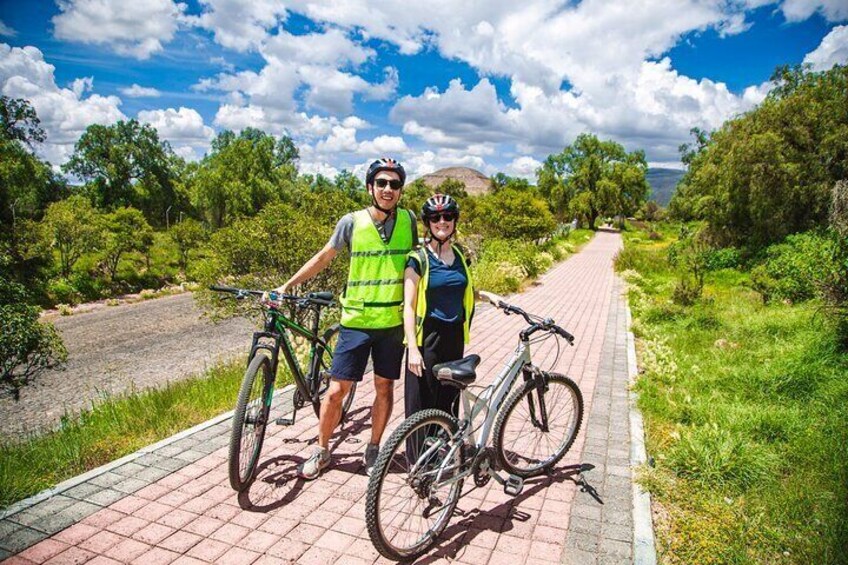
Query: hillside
{"x":663,"y":183}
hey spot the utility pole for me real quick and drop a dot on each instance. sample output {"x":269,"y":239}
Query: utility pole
{"x":167,"y":222}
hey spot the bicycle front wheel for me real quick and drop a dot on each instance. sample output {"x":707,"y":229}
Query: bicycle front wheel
{"x":412,"y":493}
{"x":250,"y":421}
{"x":522,"y":445}
{"x":325,"y":362}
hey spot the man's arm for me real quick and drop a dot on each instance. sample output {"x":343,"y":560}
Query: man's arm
{"x":315,"y":265}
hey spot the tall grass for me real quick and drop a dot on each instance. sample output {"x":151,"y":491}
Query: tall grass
{"x":745,"y":407}
{"x":114,"y":427}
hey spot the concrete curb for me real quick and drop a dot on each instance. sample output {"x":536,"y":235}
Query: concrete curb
{"x":644,"y":548}
{"x":88,"y":475}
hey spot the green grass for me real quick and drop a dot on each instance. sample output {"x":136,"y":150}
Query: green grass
{"x":745,"y":407}
{"x":114,"y":427}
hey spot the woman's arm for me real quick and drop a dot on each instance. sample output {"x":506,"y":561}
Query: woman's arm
{"x":410,"y":301}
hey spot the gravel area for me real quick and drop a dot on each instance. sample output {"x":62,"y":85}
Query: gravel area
{"x":112,"y":350}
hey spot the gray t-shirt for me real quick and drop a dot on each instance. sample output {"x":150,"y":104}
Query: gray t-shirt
{"x":344,"y":230}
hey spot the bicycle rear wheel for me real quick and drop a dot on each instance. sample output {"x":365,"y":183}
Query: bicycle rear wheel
{"x":250,"y":421}
{"x":325,"y":362}
{"x":405,"y":508}
{"x":522,"y":447}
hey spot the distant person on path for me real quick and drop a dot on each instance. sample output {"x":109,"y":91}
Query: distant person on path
{"x":438,"y":308}
{"x":379,"y":238}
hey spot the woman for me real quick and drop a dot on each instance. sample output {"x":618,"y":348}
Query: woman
{"x":438,"y":307}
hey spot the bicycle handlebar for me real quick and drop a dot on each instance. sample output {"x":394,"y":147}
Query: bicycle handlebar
{"x":536,"y":323}
{"x":319,"y":298}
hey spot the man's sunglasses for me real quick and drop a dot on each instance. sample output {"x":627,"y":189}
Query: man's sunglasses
{"x":447,"y":217}
{"x":394,"y":183}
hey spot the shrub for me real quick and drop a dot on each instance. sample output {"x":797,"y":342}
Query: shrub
{"x":61,"y":290}
{"x":792,"y":269}
{"x":27,"y":346}
{"x":724,"y":258}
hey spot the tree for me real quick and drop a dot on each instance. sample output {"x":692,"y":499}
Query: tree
{"x":769,"y":173}
{"x":241,"y":175}
{"x":19,"y":121}
{"x":501,"y":181}
{"x":511,"y":214}
{"x":613,"y":180}
{"x":126,"y":231}
{"x":27,"y":346}
{"x":72,"y":227}
{"x":452,"y":187}
{"x":126,"y":164}
{"x":351,"y":186}
{"x":187,"y":234}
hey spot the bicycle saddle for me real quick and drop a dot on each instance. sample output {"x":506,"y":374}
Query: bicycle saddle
{"x":459,"y":373}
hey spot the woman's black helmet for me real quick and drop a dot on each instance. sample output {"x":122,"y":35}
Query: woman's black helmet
{"x":384,"y":164}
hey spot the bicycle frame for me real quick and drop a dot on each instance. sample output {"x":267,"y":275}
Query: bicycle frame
{"x":492,"y":399}
{"x":277,"y":327}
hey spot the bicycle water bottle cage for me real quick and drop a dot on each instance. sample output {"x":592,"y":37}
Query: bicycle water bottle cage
{"x":458,"y":373}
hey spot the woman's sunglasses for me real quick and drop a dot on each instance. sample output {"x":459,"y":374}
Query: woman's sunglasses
{"x":394,"y":183}
{"x":447,"y":217}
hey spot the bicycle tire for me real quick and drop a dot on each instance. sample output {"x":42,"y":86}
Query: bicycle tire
{"x":393,"y":455}
{"x":510,"y":461}
{"x":325,"y":362}
{"x":250,"y":421}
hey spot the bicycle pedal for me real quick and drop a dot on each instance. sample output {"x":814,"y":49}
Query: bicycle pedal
{"x":281,"y":421}
{"x":513,"y":485}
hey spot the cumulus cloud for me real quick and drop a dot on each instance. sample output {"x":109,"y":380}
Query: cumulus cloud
{"x":524,"y":166}
{"x":800,"y":10}
{"x":136,"y":29}
{"x":136,"y":91}
{"x":183,"y":129}
{"x":238,"y":24}
{"x":65,"y":113}
{"x":831,"y":51}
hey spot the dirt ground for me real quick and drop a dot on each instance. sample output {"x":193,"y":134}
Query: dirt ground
{"x":113,"y":349}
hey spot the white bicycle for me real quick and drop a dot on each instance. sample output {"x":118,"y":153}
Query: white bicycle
{"x":418,"y":476}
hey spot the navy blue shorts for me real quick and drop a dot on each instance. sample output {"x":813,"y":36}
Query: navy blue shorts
{"x":385,"y":346}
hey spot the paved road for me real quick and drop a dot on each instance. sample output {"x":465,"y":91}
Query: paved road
{"x":173,"y":504}
{"x":115,"y":349}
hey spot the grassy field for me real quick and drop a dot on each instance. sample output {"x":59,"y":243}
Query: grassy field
{"x":745,"y":407}
{"x":113,"y":428}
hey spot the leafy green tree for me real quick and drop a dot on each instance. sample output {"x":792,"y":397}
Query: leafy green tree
{"x":19,"y":121}
{"x":769,"y":173}
{"x":241,"y":175}
{"x":414,"y":196}
{"x":452,"y":187}
{"x":510,"y":214}
{"x":613,"y":180}
{"x":72,"y":227}
{"x":27,"y":346}
{"x":126,"y":230}
{"x":126,"y":164}
{"x":187,"y":235}
{"x":352,"y":186}
{"x":501,"y":181}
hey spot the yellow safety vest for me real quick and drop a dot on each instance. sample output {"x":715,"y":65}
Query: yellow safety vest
{"x":373,"y":297}
{"x":421,"y":306}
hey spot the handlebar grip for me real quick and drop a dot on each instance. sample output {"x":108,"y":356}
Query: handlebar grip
{"x":568,"y":337}
{"x":222,"y":288}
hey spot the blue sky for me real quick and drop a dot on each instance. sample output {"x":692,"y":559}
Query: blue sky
{"x":481,"y":84}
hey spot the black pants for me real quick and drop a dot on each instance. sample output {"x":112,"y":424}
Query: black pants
{"x":442,"y":342}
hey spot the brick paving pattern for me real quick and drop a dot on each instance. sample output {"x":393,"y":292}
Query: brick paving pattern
{"x":173,"y":504}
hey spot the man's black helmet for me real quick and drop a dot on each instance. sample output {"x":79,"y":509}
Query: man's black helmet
{"x":439,"y":204}
{"x":384,"y":164}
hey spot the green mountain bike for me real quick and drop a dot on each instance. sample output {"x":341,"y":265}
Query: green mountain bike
{"x":253,"y":407}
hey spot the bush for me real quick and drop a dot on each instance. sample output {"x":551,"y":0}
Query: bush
{"x":792,"y":269}
{"x":62,"y":291}
{"x":27,"y":346}
{"x":725,"y":258}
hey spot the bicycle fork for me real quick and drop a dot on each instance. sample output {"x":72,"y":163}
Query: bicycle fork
{"x":534,"y":374}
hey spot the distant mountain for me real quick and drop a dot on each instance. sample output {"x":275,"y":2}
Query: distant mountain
{"x":663,"y":183}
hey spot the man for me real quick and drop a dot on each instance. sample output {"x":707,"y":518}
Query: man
{"x":379,"y":238}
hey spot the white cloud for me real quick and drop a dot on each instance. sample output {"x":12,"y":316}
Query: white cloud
{"x":524,"y":166}
{"x":136,"y":91}
{"x":6,"y":31}
{"x":332,"y":47}
{"x":65,"y":113}
{"x":183,"y":129}
{"x":800,"y":10}
{"x":832,"y":50}
{"x":137,"y":28}
{"x":238,"y":24}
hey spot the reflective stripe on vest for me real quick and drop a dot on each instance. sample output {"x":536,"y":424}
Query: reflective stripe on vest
{"x":421,"y":299}
{"x":373,"y":297}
